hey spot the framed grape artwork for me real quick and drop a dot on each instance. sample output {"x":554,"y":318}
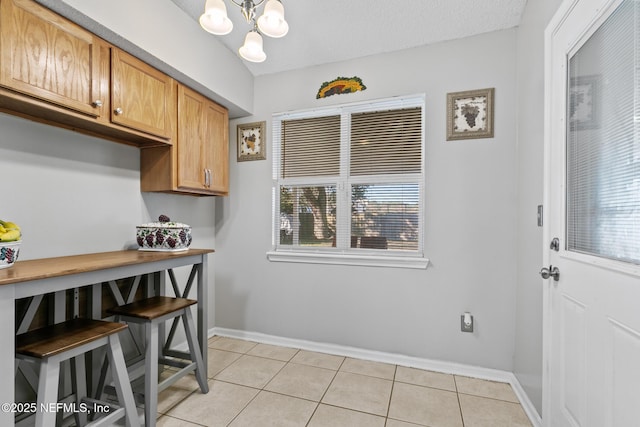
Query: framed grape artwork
{"x":470,"y":114}
{"x":252,"y":141}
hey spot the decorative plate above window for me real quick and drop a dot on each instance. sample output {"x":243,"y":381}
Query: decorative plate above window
{"x":340,"y":85}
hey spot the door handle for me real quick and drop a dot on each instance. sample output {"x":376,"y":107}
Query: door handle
{"x":550,"y":272}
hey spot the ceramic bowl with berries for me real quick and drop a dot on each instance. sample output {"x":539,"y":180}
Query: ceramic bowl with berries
{"x":9,"y":252}
{"x":164,"y":235}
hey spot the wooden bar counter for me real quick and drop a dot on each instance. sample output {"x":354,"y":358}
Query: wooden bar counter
{"x":41,"y":276}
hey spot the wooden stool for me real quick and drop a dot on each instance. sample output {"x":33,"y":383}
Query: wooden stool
{"x":53,"y":344}
{"x":151,"y":312}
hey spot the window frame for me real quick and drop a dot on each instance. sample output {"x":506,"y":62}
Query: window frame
{"x":343,"y":254}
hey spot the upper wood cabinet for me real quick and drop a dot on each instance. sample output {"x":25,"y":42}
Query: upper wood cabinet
{"x":192,"y":147}
{"x":198,"y":162}
{"x":217,"y":148}
{"x":54,"y":71}
{"x":142,"y":97}
{"x":50,"y":58}
{"x":202,"y":143}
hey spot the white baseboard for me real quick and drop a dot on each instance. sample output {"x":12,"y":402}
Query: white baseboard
{"x":392,"y":358}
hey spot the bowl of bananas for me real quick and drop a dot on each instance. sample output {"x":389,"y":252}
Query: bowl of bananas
{"x":10,"y":240}
{"x":163,"y":235}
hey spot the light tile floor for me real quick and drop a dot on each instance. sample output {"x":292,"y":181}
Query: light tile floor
{"x":259,"y":385}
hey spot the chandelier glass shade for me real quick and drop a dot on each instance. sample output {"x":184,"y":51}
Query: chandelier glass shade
{"x":272,"y":23}
{"x":252,"y":50}
{"x":215,"y":19}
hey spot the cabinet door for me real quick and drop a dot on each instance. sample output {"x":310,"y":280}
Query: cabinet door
{"x":191,"y":145}
{"x":141,"y":95}
{"x":203,"y":144}
{"x":48,"y":57}
{"x":217,"y":147}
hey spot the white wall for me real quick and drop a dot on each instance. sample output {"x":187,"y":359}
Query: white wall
{"x":530,"y":91}
{"x":470,"y":221}
{"x":74,"y":194}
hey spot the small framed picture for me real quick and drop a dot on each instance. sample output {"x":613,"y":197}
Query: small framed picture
{"x":470,"y":114}
{"x":252,"y":141}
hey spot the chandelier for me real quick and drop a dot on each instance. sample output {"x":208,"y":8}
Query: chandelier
{"x":271,"y":23}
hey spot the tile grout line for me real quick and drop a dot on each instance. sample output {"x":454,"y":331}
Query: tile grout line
{"x":235,"y":361}
{"x":393,"y":386}
{"x":339,"y":368}
{"x":180,"y":419}
{"x":458,"y":398}
{"x":335,"y":374}
{"x":255,"y":388}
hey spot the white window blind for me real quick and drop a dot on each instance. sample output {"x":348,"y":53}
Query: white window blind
{"x":386,"y":142}
{"x":603,"y":140}
{"x":350,"y":180}
{"x":311,"y":147}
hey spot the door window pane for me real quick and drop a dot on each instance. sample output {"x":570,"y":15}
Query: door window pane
{"x":603,"y":140}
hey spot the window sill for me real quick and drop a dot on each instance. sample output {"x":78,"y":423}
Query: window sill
{"x":414,"y":262}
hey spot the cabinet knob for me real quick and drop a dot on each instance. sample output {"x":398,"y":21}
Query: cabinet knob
{"x":118,"y":111}
{"x":97,"y":103}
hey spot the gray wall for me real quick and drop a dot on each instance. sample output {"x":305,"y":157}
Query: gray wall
{"x":530,"y":60}
{"x":470,"y":221}
{"x":481,"y":201}
{"x":74,"y":194}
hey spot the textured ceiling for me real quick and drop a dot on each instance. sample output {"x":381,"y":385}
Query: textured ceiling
{"x":324,"y":31}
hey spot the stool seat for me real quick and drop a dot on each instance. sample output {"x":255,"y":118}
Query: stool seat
{"x":55,"y":339}
{"x":152,"y":308}
{"x":153,"y":312}
{"x":51,"y":345}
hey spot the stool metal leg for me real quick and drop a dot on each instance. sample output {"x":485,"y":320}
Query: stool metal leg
{"x":79,"y":384}
{"x":104,"y":371}
{"x":102,"y":380}
{"x":151,"y":374}
{"x":194,"y":349}
{"x":121,"y":380}
{"x":47,"y":392}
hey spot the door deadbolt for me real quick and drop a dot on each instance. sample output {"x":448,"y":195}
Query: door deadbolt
{"x":555,"y":244}
{"x":550,"y":272}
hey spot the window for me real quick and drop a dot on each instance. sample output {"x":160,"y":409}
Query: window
{"x":349,"y":184}
{"x":603,"y":141}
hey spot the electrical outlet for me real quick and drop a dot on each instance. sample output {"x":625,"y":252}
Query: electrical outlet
{"x":466,"y":322}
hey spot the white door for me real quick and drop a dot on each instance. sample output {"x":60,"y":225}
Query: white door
{"x":592,"y":204}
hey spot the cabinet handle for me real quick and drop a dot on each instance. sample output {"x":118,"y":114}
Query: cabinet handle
{"x":118,"y":111}
{"x":206,"y":177}
{"x":97,"y":103}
